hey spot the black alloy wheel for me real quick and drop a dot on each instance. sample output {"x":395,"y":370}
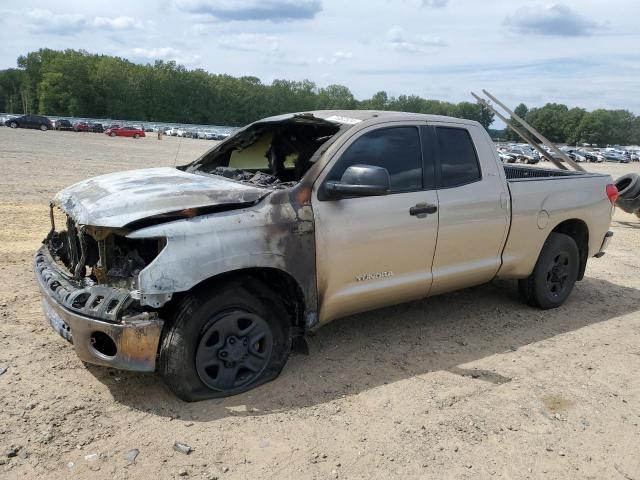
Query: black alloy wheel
{"x":234,"y":349}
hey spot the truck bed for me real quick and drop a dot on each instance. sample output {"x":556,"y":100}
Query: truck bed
{"x":523,"y":172}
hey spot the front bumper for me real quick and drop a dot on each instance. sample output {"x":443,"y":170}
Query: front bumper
{"x":130,"y":343}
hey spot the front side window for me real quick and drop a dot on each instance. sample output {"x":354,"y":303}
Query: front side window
{"x":458,"y":159}
{"x":397,"y":149}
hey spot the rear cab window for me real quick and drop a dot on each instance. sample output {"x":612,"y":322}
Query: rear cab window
{"x":458,"y":160}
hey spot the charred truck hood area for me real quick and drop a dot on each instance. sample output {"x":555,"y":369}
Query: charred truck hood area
{"x":122,"y":244}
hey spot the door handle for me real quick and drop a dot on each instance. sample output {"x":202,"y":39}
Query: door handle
{"x":421,"y":210}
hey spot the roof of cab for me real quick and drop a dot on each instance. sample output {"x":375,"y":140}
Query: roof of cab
{"x":356,"y":116}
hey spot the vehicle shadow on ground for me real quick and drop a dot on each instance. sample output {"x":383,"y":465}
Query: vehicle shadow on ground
{"x":365,"y":351}
{"x":625,"y":224}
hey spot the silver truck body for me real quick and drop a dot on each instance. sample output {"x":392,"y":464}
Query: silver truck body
{"x":329,"y":258}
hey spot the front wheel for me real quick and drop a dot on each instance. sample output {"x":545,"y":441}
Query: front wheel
{"x":13,"y":125}
{"x":136,"y":136}
{"x":224,"y":340}
{"x":112,"y":134}
{"x":43,"y":128}
{"x":554,"y":275}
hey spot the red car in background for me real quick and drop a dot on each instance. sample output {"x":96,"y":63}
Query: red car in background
{"x":134,"y":132}
{"x":81,"y":127}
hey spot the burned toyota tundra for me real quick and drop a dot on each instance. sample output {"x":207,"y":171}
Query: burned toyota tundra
{"x":211,"y":272}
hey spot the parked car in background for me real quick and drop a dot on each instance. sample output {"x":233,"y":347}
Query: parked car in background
{"x":62,"y":124}
{"x":523,"y":153}
{"x":133,"y":132}
{"x":30,"y":121}
{"x":615,"y":155}
{"x":575,"y":154}
{"x":96,"y":128}
{"x":506,"y":158}
{"x":207,"y":135}
{"x":112,"y":125}
{"x":81,"y":127}
{"x":590,"y":156}
{"x":171,"y":131}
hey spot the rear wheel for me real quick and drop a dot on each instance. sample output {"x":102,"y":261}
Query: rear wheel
{"x":13,"y":125}
{"x":224,"y":340}
{"x":554,"y":275}
{"x":43,"y":128}
{"x":135,"y":135}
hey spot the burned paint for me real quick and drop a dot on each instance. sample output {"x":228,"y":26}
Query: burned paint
{"x":118,"y":199}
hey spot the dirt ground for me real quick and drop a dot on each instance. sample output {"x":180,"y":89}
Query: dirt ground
{"x":467,"y":385}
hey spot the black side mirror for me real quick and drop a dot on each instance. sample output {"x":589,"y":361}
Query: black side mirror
{"x":360,"y":181}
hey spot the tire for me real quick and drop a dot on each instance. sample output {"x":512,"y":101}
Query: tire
{"x":13,"y":125}
{"x":209,"y":350}
{"x":43,"y":128}
{"x":554,"y":275}
{"x":628,"y":186}
{"x":136,"y":136}
{"x":113,"y":134}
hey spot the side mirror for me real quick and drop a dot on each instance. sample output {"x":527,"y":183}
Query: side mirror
{"x":360,"y":181}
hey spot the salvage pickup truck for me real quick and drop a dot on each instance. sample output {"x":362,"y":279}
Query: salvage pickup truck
{"x":211,"y":272}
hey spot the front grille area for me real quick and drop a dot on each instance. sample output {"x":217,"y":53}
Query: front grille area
{"x":95,"y":301}
{"x":102,"y":256}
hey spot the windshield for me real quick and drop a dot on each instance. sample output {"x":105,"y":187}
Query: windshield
{"x":275,"y":154}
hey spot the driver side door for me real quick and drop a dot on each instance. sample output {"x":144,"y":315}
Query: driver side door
{"x":373,"y":251}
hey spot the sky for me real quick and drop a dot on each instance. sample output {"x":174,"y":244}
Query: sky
{"x":579,"y":52}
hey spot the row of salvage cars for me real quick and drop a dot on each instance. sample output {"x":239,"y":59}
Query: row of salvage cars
{"x":523,"y":153}
{"x":43,"y":123}
{"x":194,"y":133}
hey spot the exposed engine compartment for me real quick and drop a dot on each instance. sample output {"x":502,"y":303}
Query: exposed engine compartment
{"x":96,"y":268}
{"x":100,"y":255}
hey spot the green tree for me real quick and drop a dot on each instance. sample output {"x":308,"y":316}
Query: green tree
{"x":549,"y":120}
{"x":78,"y":83}
{"x":522,"y":111}
{"x":335,"y":97}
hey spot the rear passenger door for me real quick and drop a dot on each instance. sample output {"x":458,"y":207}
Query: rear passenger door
{"x":473,"y":208}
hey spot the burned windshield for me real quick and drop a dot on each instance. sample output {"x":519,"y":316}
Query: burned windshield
{"x":275,"y":154}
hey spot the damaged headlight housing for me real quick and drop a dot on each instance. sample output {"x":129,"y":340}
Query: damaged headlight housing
{"x":100,"y":255}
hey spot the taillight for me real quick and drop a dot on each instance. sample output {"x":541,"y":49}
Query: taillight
{"x":612,"y":193}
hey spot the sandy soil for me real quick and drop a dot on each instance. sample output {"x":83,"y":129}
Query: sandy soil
{"x":467,"y":385}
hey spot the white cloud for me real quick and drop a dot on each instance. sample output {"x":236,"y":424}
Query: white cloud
{"x":336,"y":57}
{"x":435,"y":3}
{"x":249,"y":42}
{"x":244,"y":10}
{"x":57,"y":23}
{"x":165,"y":53}
{"x":45,"y":21}
{"x":399,"y":41}
{"x":556,"y":20}
{"x":116,"y":23}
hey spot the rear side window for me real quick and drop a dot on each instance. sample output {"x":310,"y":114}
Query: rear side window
{"x":397,"y":149}
{"x":458,"y":159}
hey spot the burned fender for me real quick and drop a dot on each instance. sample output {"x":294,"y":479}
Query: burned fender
{"x":276,"y":233}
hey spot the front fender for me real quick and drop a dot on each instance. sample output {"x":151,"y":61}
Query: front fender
{"x":273,"y":234}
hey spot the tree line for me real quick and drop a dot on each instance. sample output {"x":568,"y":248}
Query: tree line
{"x":80,"y":84}
{"x":562,"y":124}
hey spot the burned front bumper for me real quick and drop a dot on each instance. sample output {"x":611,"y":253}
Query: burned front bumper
{"x":88,"y":318}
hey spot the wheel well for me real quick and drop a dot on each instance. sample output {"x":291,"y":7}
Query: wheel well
{"x":282,"y":284}
{"x":579,"y":231}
